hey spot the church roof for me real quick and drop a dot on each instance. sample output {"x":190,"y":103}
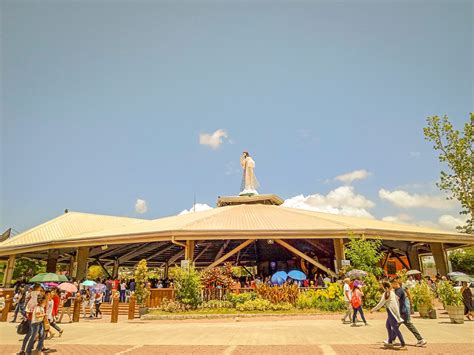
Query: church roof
{"x":248,"y":221}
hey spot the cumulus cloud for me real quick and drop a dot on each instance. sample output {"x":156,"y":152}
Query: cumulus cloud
{"x":353,"y":175}
{"x":449,"y":222}
{"x":343,"y":201}
{"x":404,"y":199}
{"x":198,"y":207}
{"x":213,"y":140}
{"x":401,"y":218}
{"x":141,"y":206}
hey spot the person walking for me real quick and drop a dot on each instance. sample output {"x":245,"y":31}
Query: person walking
{"x":19,"y":301}
{"x":467,"y":300}
{"x":67,"y":303}
{"x":50,"y":314}
{"x":404,"y":303}
{"x":98,"y":303}
{"x":85,"y":298}
{"x":347,"y":300}
{"x":123,"y":289}
{"x":390,"y":301}
{"x":36,"y":328}
{"x":356,"y":303}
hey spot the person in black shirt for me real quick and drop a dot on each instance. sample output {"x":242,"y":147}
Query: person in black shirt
{"x":405,"y":311}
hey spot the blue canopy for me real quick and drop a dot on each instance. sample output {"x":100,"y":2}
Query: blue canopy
{"x":297,"y":275}
{"x":279,"y":278}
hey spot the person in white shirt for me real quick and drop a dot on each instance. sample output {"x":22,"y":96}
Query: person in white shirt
{"x":347,"y":300}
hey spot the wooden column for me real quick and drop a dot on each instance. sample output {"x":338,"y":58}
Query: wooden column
{"x":339,"y":252}
{"x":81,"y":259}
{"x":53,"y":255}
{"x":115,"y":270}
{"x":189,"y":251}
{"x":413,"y":258}
{"x":439,"y":256}
{"x":8,"y":275}
{"x":165,"y":276}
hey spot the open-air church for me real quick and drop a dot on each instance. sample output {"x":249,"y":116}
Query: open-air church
{"x":249,"y":229}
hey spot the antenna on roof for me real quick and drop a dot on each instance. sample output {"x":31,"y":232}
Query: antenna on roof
{"x":66,"y":210}
{"x":194,"y":204}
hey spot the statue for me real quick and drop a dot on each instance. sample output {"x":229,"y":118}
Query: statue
{"x":249,"y":181}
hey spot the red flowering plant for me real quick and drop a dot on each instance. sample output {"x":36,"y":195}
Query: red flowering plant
{"x":218,"y":277}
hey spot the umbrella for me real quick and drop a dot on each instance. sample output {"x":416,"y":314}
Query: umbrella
{"x":456,"y":273}
{"x":297,"y":275}
{"x":356,"y":273}
{"x":99,"y":288}
{"x":68,"y":287}
{"x":88,"y":283}
{"x":462,"y":278}
{"x":48,"y":277}
{"x":279,"y":278}
{"x":358,"y":283}
{"x":413,"y":272}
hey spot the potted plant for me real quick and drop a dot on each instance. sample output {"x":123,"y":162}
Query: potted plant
{"x":141,"y":286}
{"x":452,"y":301}
{"x":423,"y":299}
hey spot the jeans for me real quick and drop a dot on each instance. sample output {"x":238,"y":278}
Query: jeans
{"x":20,"y":307}
{"x":411,"y":327}
{"x":53,"y":324}
{"x":122,"y":295}
{"x":107,"y":295}
{"x":361,"y":311}
{"x":29,"y":340}
{"x":393,"y":329}
{"x":97,"y":309}
{"x":348,"y":313}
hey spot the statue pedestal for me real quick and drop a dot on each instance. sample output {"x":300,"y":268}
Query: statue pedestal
{"x":269,"y":199}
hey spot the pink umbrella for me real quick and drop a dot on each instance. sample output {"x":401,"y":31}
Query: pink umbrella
{"x":68,"y":287}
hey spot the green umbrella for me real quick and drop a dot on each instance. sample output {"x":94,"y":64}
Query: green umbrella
{"x":462,"y":278}
{"x":48,"y":277}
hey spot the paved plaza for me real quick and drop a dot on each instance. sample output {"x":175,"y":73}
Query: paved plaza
{"x":261,"y":335}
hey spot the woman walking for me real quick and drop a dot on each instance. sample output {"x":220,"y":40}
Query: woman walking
{"x":356,"y":303}
{"x":390,"y":301}
{"x":98,"y":302}
{"x":37,"y":328}
{"x":467,"y":300}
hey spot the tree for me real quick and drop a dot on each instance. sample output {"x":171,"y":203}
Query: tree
{"x":187,"y":283}
{"x":364,"y":254}
{"x":28,"y":268}
{"x":455,"y":149}
{"x":141,"y":282}
{"x":95,"y":272}
{"x":463,"y":260}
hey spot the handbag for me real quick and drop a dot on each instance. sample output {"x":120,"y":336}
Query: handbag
{"x":24,"y":327}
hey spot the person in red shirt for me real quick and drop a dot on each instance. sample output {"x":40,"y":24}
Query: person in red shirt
{"x":56,"y":300}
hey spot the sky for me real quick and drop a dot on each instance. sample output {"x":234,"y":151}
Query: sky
{"x":136,"y":108}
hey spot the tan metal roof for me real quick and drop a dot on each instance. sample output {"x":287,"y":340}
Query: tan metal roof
{"x":230,"y":222}
{"x":67,"y":225}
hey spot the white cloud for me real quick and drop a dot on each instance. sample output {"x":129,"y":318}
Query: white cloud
{"x":353,"y":175}
{"x":141,"y":206}
{"x":447,"y":221}
{"x":198,"y":207}
{"x":404,"y":199}
{"x":343,"y":201}
{"x":401,"y":218}
{"x":213,"y":140}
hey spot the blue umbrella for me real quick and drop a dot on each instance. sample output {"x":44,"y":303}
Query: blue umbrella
{"x":279,"y":278}
{"x":297,"y":275}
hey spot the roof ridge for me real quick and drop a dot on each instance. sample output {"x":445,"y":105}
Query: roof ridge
{"x":219,"y":211}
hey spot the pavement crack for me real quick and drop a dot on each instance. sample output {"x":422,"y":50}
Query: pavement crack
{"x":129,"y":349}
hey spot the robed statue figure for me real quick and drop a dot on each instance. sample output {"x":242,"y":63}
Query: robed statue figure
{"x":249,"y":181}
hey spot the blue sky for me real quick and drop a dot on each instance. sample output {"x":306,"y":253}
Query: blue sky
{"x":103,"y":103}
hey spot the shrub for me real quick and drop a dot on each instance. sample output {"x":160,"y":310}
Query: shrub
{"x":171,"y":306}
{"x":259,"y":304}
{"x":141,"y":278}
{"x":217,"y":304}
{"x":218,"y":276}
{"x":241,"y":297}
{"x":364,"y":254}
{"x":372,"y":291}
{"x":278,"y":294}
{"x":463,"y":260}
{"x":448,"y":295}
{"x":329,"y":299}
{"x":422,"y":295}
{"x":188,"y":286}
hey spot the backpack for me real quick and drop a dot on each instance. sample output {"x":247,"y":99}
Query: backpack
{"x":356,"y":302}
{"x":23,"y":327}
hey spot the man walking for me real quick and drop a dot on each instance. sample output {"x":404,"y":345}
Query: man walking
{"x":404,"y":303}
{"x":347,"y":299}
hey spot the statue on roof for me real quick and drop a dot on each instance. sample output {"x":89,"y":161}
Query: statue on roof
{"x":249,"y":181}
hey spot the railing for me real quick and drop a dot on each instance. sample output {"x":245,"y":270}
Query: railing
{"x":158,"y":294}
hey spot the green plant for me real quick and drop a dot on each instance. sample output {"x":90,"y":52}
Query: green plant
{"x":95,"y":272}
{"x":330,"y":299}
{"x":463,"y":260}
{"x":448,"y":294}
{"x":241,"y":297}
{"x":278,"y":294}
{"x":218,"y":276}
{"x":455,"y":149}
{"x":422,"y":295}
{"x":261,"y":305}
{"x":141,"y":280}
{"x":187,"y":283}
{"x":172,"y":306}
{"x":364,"y":254}
{"x":372,"y":291}
{"x":217,"y":304}
{"x":28,"y":268}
